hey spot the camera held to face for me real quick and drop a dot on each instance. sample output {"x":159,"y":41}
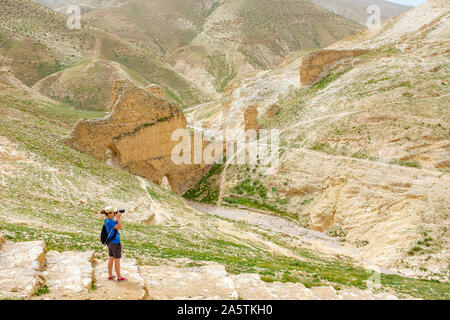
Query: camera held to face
{"x":110,"y":210}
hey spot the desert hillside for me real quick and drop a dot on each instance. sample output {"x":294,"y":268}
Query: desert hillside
{"x":240,"y":38}
{"x":49,"y":216}
{"x":358,"y":207}
{"x":36,"y":44}
{"x":364,"y":133}
{"x":212,"y":43}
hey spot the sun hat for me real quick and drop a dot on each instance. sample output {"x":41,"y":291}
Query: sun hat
{"x":109,"y":209}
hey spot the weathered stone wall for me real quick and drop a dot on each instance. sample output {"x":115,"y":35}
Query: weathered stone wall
{"x":315,"y":63}
{"x":137,"y":134}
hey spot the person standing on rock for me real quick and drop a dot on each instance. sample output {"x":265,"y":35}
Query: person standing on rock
{"x":114,"y":245}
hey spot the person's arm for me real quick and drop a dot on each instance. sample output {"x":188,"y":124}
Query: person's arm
{"x":119,"y":222}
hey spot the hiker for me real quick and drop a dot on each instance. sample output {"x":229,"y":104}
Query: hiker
{"x":113,"y":240}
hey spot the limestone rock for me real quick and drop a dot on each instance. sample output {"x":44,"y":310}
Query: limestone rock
{"x":385,"y":296}
{"x":20,"y":266}
{"x":251,"y":287}
{"x":137,"y":136}
{"x":209,"y":282}
{"x":69,"y":272}
{"x":323,"y":209}
{"x":132,"y":289}
{"x":356,"y":294}
{"x":315,"y":63}
{"x":290,"y":291}
{"x":326,"y":293}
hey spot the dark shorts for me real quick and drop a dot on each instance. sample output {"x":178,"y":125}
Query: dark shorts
{"x":115,"y":250}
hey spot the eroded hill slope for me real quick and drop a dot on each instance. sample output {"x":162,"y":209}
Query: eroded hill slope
{"x":53,"y":193}
{"x":364,"y":148}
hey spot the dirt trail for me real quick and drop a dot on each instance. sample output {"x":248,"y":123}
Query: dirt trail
{"x":266,"y":221}
{"x":278,"y":224}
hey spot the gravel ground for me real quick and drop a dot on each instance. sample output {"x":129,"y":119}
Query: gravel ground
{"x":265,"y":221}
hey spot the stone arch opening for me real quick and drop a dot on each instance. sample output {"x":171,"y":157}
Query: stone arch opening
{"x":113,"y":156}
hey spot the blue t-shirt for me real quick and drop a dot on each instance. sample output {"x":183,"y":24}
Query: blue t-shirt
{"x":110,"y":224}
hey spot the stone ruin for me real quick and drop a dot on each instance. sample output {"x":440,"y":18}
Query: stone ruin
{"x":317,"y":63}
{"x":137,"y":136}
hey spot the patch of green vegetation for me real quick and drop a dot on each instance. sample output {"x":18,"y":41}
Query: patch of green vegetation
{"x":214,"y":6}
{"x":328,"y":79}
{"x":42,"y":290}
{"x":360,"y":155}
{"x":337,"y":231}
{"x":425,"y":246}
{"x":412,"y":164}
{"x":382,"y":51}
{"x":221,"y":70}
{"x":426,"y":289}
{"x":174,"y":97}
{"x":251,"y":188}
{"x":322,"y":147}
{"x":205,"y":191}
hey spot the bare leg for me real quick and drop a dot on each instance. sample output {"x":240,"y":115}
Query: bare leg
{"x":110,"y":265}
{"x":117,"y":265}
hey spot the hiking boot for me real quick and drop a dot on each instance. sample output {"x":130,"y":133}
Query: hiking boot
{"x":122,"y":279}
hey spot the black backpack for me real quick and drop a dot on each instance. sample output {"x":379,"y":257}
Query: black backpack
{"x":104,"y":236}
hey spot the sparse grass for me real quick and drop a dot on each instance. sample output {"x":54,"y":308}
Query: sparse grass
{"x":206,"y":190}
{"x":251,"y":188}
{"x":322,"y":147}
{"x":412,"y":164}
{"x":42,"y":290}
{"x":221,"y":70}
{"x":360,"y":155}
{"x":263,"y":205}
{"x":328,"y":79}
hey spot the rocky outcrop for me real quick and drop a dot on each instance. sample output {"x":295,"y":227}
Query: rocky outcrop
{"x":20,"y":266}
{"x":250,"y":287}
{"x":322,"y":211}
{"x":25,"y":268}
{"x":132,"y":289}
{"x":137,"y":136}
{"x":209,"y":282}
{"x":318,"y":62}
{"x":68,"y":273}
